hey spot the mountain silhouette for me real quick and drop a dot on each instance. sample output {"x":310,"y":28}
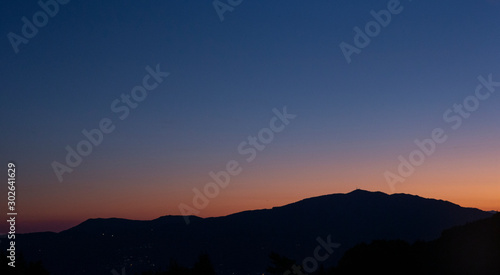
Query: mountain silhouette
{"x":242,"y":242}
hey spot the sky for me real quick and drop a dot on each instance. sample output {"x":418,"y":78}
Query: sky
{"x":231,"y":71}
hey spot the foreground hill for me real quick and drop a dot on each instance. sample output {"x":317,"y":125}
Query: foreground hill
{"x":242,"y":242}
{"x":469,"y":249}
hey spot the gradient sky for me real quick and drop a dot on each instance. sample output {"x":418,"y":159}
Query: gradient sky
{"x":353,"y":120}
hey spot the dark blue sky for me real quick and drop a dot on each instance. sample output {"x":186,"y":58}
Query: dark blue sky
{"x":225,"y":79}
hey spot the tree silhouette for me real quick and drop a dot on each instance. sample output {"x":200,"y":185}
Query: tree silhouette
{"x":279,"y":264}
{"x":21,"y":266}
{"x":204,"y":266}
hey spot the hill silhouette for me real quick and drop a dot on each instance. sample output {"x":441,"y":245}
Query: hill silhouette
{"x":470,"y":249}
{"x":241,"y":242}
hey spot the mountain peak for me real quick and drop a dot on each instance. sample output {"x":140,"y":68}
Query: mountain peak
{"x":365,"y":192}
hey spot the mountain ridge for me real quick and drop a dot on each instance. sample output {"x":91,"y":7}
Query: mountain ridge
{"x":291,"y":230}
{"x":191,"y":217}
